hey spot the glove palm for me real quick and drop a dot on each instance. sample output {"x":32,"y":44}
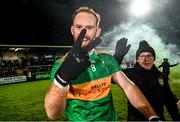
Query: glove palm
{"x":121,"y":49}
{"x":76,"y":61}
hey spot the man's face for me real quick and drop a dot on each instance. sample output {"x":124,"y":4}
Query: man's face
{"x":146,"y":60}
{"x":87,"y":21}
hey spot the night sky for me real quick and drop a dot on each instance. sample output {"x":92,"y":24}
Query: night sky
{"x":47,"y":22}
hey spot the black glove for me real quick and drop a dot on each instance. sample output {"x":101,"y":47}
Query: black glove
{"x":76,"y":61}
{"x":121,"y":49}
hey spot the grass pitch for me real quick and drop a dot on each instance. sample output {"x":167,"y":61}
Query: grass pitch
{"x":25,"y":101}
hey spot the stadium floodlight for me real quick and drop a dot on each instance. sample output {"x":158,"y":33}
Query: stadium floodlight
{"x":140,"y":7}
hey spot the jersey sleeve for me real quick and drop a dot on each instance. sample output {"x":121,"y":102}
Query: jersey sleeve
{"x":54,"y":69}
{"x":110,"y":62}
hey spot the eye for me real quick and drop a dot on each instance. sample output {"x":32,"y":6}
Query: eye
{"x":142,"y":56}
{"x":78,"y":27}
{"x":149,"y":56}
{"x":90,"y":27}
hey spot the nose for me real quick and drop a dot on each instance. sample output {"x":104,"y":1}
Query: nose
{"x":83,"y":32}
{"x":83,"y":28}
{"x":145,"y":58}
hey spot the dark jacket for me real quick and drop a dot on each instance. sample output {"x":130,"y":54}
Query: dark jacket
{"x":155,"y":89}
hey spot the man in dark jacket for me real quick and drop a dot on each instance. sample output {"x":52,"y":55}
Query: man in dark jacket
{"x":150,"y":81}
{"x":166,"y":67}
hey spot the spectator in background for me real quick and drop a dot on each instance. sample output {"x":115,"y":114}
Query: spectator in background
{"x":150,"y":81}
{"x":29,"y":76}
{"x":166,"y":67}
{"x":10,"y":63}
{"x":4,"y":64}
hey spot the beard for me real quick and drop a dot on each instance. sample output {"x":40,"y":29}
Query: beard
{"x":87,"y":40}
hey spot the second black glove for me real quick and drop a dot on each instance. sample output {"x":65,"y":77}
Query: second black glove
{"x":121,"y":49}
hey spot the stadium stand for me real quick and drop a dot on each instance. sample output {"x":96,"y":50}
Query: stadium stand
{"x":27,"y":65}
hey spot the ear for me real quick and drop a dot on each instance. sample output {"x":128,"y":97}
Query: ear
{"x":72,"y":29}
{"x":98,"y":32}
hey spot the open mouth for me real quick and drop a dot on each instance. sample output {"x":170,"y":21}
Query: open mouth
{"x":85,"y":42}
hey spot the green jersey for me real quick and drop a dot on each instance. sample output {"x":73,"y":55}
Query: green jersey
{"x":89,"y":97}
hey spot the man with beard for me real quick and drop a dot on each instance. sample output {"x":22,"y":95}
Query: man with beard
{"x":81,"y":81}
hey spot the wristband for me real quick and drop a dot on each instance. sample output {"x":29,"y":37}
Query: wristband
{"x":65,"y":88}
{"x":60,"y":80}
{"x":154,"y":117}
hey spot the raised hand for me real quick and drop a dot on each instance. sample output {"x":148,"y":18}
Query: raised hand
{"x":76,"y":61}
{"x":121,"y":49}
